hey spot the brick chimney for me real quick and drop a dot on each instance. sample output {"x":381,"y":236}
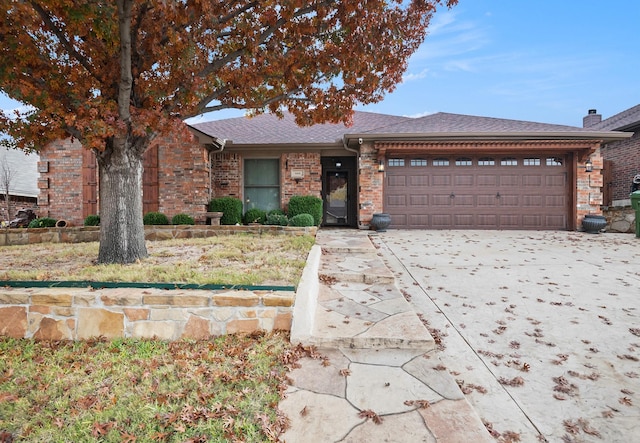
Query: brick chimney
{"x":591,"y":119}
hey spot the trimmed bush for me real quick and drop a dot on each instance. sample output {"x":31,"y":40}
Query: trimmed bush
{"x":276,"y":212}
{"x":43,"y":222}
{"x":231,"y":208}
{"x":277,"y":220}
{"x":92,"y":220}
{"x":255,"y":215}
{"x":306,"y":204}
{"x":302,"y":220}
{"x":155,"y":218}
{"x":182,"y":219}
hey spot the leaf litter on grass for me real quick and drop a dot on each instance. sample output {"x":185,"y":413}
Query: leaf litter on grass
{"x":225,"y":389}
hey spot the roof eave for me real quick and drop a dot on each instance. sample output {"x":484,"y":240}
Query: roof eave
{"x":605,"y":136}
{"x":299,"y":146}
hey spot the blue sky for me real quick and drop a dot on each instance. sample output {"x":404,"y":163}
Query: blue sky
{"x":545,"y":60}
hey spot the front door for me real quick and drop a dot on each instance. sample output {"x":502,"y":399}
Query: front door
{"x":339,"y":191}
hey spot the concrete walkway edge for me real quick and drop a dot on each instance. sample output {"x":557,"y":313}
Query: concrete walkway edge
{"x":306,"y":298}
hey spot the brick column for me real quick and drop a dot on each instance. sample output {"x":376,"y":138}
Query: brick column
{"x":589,"y":188}
{"x":370,"y":195}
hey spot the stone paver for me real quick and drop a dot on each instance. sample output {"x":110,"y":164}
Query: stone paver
{"x":379,"y":367}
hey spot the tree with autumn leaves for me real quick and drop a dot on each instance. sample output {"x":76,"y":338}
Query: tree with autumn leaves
{"x":115,"y":75}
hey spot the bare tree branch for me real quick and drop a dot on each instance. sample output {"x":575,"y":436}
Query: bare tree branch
{"x":126,"y":78}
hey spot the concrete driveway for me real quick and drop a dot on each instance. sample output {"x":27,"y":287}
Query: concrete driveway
{"x":540,"y":329}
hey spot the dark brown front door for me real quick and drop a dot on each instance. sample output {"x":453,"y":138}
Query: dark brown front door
{"x":338,"y":189}
{"x":478,"y":192}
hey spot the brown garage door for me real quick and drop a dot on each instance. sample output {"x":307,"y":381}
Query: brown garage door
{"x":478,"y":192}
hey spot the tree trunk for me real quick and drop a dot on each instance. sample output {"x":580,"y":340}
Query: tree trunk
{"x":121,"y":227}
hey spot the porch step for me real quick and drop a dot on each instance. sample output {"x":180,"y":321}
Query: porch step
{"x":358,"y":305}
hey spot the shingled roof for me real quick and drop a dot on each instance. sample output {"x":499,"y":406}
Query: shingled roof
{"x":443,"y":122}
{"x":621,"y":121}
{"x":268,"y":129}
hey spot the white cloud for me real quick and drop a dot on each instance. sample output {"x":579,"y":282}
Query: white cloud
{"x":420,"y":114}
{"x":414,"y":76}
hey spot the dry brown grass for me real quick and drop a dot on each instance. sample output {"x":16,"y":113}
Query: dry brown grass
{"x":241,"y":259}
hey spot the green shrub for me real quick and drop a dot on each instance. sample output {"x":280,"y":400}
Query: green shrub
{"x":255,"y":215}
{"x":182,"y":219}
{"x":277,"y":220}
{"x":231,"y":208}
{"x":306,"y":204}
{"x":276,"y":212}
{"x":92,"y":220}
{"x":302,"y":220}
{"x":155,"y":218}
{"x":43,"y":222}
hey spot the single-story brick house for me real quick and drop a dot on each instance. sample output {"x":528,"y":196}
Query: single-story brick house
{"x":621,"y":157}
{"x":442,"y":171}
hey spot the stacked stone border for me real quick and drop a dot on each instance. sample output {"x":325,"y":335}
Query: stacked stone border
{"x":77,"y":314}
{"x":26,"y":236}
{"x":82,"y":313}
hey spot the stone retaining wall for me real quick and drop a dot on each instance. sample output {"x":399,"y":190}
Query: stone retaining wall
{"x":27,"y":236}
{"x":76,"y":314}
{"x":620,"y":219}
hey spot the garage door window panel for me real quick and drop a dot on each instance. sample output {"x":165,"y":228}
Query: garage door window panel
{"x":418,"y":162}
{"x":487,"y":161}
{"x":531,"y":162}
{"x":555,"y":161}
{"x":509,"y":161}
{"x":440,"y":162}
{"x":464,"y":161}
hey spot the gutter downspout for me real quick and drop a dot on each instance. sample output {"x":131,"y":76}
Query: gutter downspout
{"x":356,"y":151}
{"x":345,"y":145}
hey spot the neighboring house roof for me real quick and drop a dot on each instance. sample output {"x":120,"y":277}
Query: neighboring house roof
{"x":270,"y":129}
{"x":23,"y":170}
{"x":622,"y":121}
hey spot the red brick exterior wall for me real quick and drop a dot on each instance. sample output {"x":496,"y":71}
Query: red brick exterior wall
{"x":589,"y":195}
{"x":625,"y":157}
{"x":371,"y":182}
{"x":60,"y":181}
{"x":311,"y":184}
{"x":16,"y":203}
{"x":228,"y":175}
{"x":183,"y":177}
